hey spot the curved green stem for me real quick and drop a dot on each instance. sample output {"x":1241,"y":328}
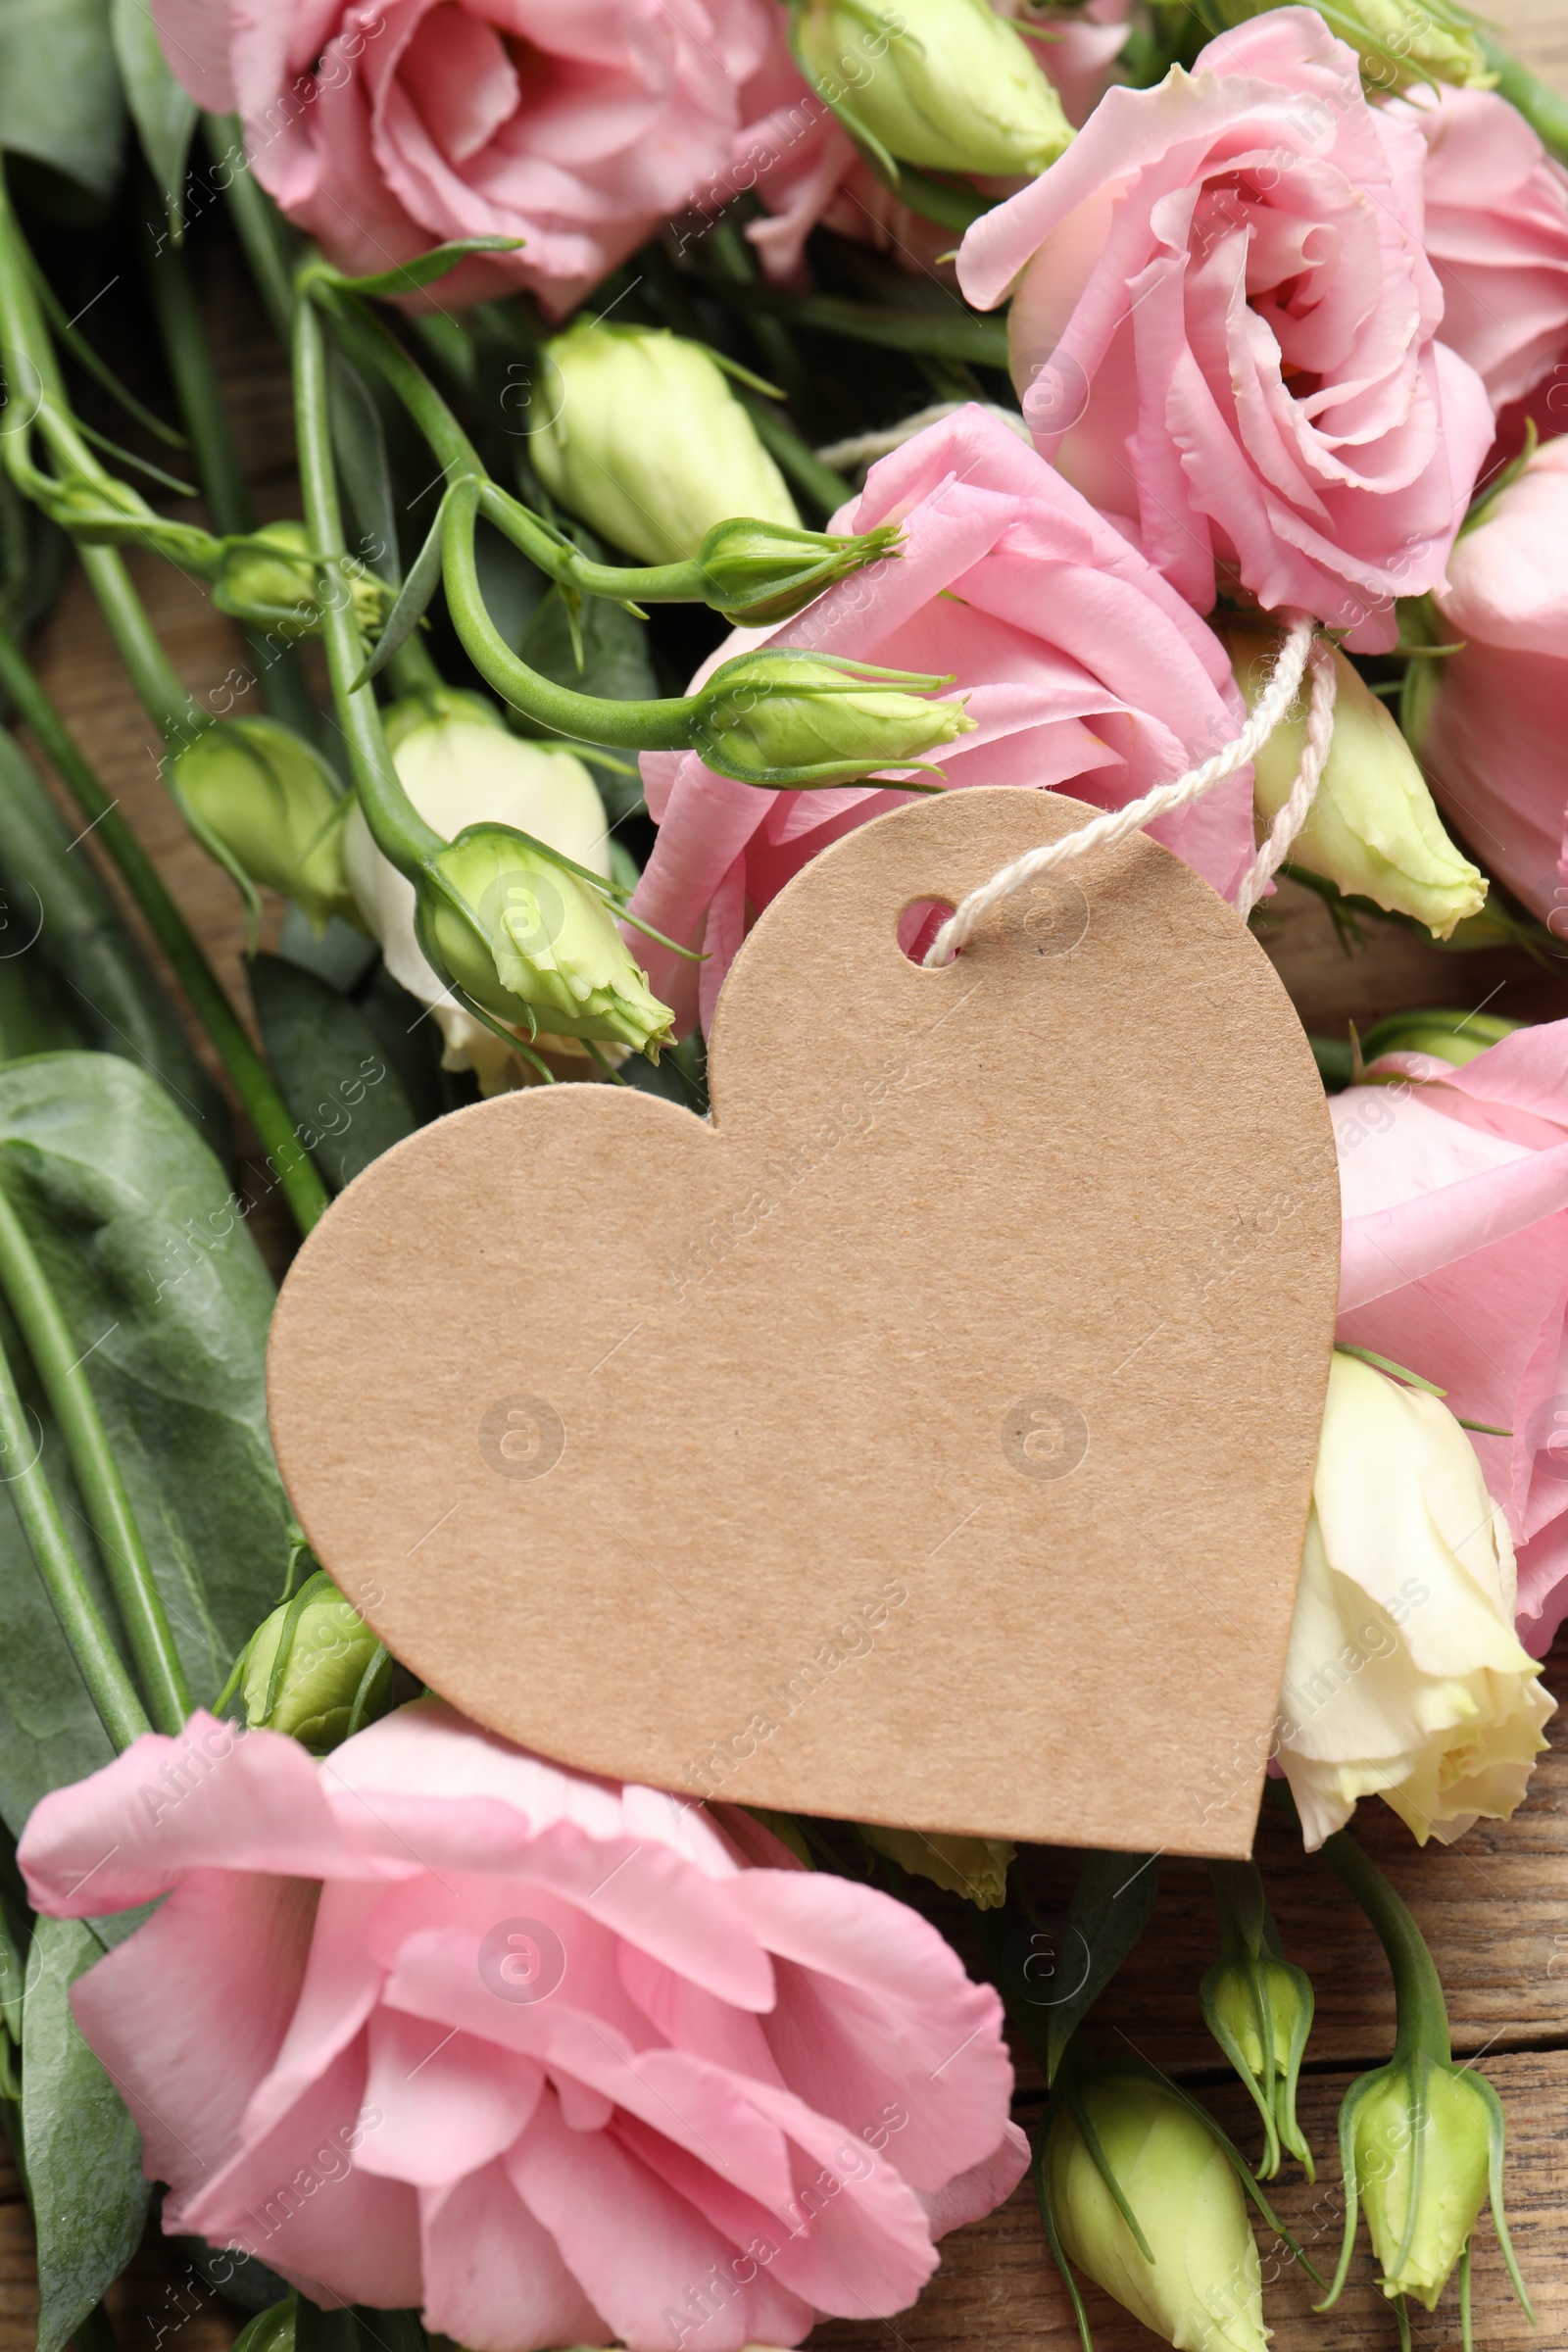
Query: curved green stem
{"x":399,"y":831}
{"x":301,"y":1186}
{"x":98,"y":1662}
{"x":1423,"y":2018}
{"x":53,"y":1347}
{"x":585,"y":717}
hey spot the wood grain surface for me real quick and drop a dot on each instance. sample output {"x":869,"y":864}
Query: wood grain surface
{"x":1493,"y":1907}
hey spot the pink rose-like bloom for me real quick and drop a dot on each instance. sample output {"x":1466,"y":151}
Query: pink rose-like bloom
{"x":437,"y":2023}
{"x":808,"y":171}
{"x":1454,"y":1264}
{"x":1492,"y":739}
{"x":393,"y":126}
{"x":1497,"y":227}
{"x":1083,"y":670}
{"x":1226,"y":328}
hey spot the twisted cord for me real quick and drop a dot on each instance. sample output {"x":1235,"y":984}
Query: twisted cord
{"x":1294,"y":816}
{"x":1103,"y":832}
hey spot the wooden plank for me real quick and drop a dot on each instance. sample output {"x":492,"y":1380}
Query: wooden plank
{"x":996,"y":2285}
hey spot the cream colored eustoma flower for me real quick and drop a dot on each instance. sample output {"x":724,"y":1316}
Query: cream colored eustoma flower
{"x":461,"y":770}
{"x":1406,"y":1679}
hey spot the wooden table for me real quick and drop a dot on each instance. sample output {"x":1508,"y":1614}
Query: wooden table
{"x":1494,"y":1907}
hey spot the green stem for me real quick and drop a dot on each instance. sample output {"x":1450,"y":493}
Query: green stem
{"x":176,"y":717}
{"x":217,"y":462}
{"x":302,"y":1186}
{"x":53,"y":1347}
{"x":258,"y":223}
{"x":98,"y":1662}
{"x":399,"y":831}
{"x":1423,"y":2018}
{"x":585,"y":717}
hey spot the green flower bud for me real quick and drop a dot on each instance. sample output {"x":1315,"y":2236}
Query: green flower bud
{"x":263,"y":803}
{"x":523,"y":934}
{"x":1372,"y":830}
{"x":784,"y":719}
{"x":645,"y":440}
{"x":269,"y":578}
{"x":1203,"y":2289}
{"x":976,"y":1867}
{"x":440,"y":704}
{"x":1399,"y":43}
{"x":1454,"y":1036}
{"x":946,"y":85}
{"x":1259,"y":2009}
{"x":315,"y":1670}
{"x":271,"y":2330}
{"x":1422,"y":2137}
{"x":759,"y":573}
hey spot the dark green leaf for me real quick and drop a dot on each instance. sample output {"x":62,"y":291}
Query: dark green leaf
{"x":616,"y":666}
{"x":424,"y":267}
{"x":359,"y":445}
{"x":82,"y":2151}
{"x":349,"y":1105}
{"x":56,"y":908}
{"x":60,"y":96}
{"x":1111,"y":1906}
{"x":147,"y":1250}
{"x":164,"y":114}
{"x":411,"y":599}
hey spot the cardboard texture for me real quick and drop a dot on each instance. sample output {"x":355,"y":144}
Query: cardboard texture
{"x":929,"y":1439}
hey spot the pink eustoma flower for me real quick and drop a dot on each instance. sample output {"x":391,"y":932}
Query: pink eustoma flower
{"x":1225,"y":328}
{"x":1083,"y":670}
{"x":1454,"y":1264}
{"x":1496,"y":231}
{"x":392,"y":125}
{"x":1492,"y":738}
{"x":435,"y":2023}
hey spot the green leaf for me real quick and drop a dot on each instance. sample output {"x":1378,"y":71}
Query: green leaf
{"x":164,"y":114}
{"x":1112,"y":1902}
{"x":148,"y":1252}
{"x":82,"y":2151}
{"x":54,"y":907}
{"x":423,"y":268}
{"x":60,"y":99}
{"x":359,"y":445}
{"x":616,"y":666}
{"x":348,"y":1103}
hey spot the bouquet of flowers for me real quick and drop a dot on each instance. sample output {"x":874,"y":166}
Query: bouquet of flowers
{"x":714,"y":422}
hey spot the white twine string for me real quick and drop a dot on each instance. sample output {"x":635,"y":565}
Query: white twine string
{"x":1103,"y":832}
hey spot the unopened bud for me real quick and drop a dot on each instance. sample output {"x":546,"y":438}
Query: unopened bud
{"x":786,"y":720}
{"x":946,"y":85}
{"x":1373,"y":829}
{"x":525,"y":936}
{"x":270,"y":578}
{"x":265,"y":803}
{"x":1399,"y":43}
{"x":759,"y":573}
{"x":976,"y":1867}
{"x":1454,"y":1037}
{"x":642,"y":436}
{"x":1259,"y":2009}
{"x":1200,"y":2285}
{"x":1421,"y":2135}
{"x":315,"y":1670}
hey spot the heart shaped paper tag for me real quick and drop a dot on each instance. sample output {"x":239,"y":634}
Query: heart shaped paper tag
{"x":929,"y":1439}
